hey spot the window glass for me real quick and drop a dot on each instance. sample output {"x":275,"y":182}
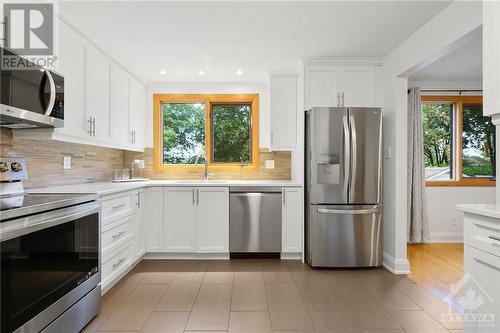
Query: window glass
{"x":231,"y":126}
{"x":438,"y":137}
{"x":478,"y":143}
{"x":183,"y":133}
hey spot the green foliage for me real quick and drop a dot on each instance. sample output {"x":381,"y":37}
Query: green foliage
{"x":231,"y":127}
{"x":437,"y":122}
{"x":183,"y":132}
{"x":478,"y":170}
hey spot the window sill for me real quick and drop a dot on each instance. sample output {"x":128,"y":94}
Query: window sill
{"x":462,"y":183}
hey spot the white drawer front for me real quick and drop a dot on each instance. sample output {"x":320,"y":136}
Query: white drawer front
{"x":119,"y":261}
{"x":117,"y":232}
{"x":116,"y":206}
{"x":483,"y":233}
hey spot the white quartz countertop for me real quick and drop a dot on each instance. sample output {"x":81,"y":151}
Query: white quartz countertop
{"x":490,"y":210}
{"x":104,"y":188}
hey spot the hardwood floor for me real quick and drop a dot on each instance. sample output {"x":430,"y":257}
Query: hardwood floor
{"x":436,"y":266}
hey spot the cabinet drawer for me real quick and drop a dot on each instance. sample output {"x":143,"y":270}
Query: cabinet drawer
{"x":116,"y":263}
{"x":483,"y":233}
{"x":117,"y":232}
{"x":116,"y":206}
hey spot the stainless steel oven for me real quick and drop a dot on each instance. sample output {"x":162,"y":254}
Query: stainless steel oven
{"x":31,"y":96}
{"x":50,"y":264}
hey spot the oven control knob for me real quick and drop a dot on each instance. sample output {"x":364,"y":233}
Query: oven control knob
{"x":4,"y":167}
{"x":16,"y":166}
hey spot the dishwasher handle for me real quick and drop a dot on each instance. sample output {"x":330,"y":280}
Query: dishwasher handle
{"x":254,"y":189}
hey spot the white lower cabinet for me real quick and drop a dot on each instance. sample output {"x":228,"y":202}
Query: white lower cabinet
{"x":196,"y":219}
{"x":153,"y":219}
{"x":292,"y":217}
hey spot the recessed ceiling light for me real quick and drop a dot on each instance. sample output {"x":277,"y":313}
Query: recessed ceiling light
{"x":239,"y":72}
{"x":163,"y":72}
{"x":201,"y":73}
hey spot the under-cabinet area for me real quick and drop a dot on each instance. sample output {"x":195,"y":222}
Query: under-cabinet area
{"x":183,"y":222}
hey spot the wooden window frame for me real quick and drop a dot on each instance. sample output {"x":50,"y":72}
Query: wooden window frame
{"x":208,"y":100}
{"x":458,"y":110}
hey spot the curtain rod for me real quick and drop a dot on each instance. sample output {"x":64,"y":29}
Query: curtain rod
{"x":450,"y":90}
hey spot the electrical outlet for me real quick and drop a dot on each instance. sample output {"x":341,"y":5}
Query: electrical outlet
{"x":67,"y":162}
{"x":269,"y":164}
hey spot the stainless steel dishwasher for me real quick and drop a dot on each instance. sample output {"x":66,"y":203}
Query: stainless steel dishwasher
{"x":255,"y":220}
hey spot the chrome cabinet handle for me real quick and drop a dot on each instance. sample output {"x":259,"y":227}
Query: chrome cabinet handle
{"x":119,"y":262}
{"x":138,"y":199}
{"x":284,"y":197}
{"x":119,"y":206}
{"x":134,"y":137}
{"x":118,"y":234}
{"x":495,"y":238}
{"x":338,"y":99}
{"x":342,"y":98}
{"x":94,"y":125}
{"x":347,"y":155}
{"x":90,"y":126}
{"x":197,"y":196}
{"x":354,"y":156}
{"x":193,"y":197}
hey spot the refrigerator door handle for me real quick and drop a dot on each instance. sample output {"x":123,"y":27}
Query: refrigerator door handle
{"x":373,"y":210}
{"x":347,"y":156}
{"x":352,"y":125}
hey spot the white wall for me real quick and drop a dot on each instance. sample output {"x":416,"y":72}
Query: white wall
{"x":445,"y":222}
{"x":450,"y":29}
{"x":261,"y":88}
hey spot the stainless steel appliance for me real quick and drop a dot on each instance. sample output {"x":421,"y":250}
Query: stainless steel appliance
{"x":31,"y":96}
{"x":343,"y":167}
{"x":50,"y":257}
{"x":255,"y":220}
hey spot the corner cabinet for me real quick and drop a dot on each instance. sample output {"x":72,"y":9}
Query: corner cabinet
{"x":283,"y":94}
{"x":292,"y":221}
{"x":196,"y":219}
{"x":491,"y":58}
{"x":340,"y":84}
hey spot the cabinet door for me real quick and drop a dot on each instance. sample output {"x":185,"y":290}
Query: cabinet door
{"x":283,"y":112}
{"x":153,"y":218}
{"x":179,"y":233}
{"x":139,"y":219}
{"x":137,"y":112}
{"x":212,"y":219}
{"x":491,"y":57}
{"x":358,"y":86}
{"x":482,"y":290}
{"x":72,"y":67}
{"x":119,"y":105}
{"x":322,"y":87}
{"x":97,"y":69}
{"x":293,"y":216}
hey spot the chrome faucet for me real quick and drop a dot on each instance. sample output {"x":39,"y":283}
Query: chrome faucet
{"x":205,"y":171}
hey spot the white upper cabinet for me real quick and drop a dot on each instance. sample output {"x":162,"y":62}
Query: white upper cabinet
{"x":341,"y":85}
{"x":283,"y":112}
{"x":137,"y":116}
{"x":322,"y":86}
{"x":491,"y":57}
{"x":358,"y":86}
{"x":119,"y":105}
{"x":212,"y":219}
{"x":97,"y":92}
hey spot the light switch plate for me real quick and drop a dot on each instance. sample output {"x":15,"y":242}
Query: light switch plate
{"x":269,"y":164}
{"x":67,"y":162}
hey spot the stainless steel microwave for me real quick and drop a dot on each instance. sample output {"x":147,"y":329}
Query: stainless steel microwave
{"x":31,"y":96}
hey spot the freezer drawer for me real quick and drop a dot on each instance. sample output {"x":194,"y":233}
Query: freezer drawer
{"x":255,"y":221}
{"x":344,"y":236}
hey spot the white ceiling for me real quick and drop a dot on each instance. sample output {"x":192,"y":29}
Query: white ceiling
{"x":256,"y":37}
{"x":464,"y":64}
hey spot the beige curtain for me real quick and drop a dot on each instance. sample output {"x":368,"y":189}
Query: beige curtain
{"x":418,"y":228}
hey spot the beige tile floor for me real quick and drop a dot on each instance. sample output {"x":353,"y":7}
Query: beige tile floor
{"x":248,"y":295}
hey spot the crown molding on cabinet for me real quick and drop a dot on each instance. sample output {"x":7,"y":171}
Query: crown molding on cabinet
{"x":329,"y":61}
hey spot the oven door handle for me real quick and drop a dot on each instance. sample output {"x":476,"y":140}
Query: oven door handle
{"x":25,"y":225}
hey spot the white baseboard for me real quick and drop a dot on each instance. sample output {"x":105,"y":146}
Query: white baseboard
{"x":446,"y":237}
{"x":186,"y":256}
{"x":398,"y":266}
{"x":291,"y":256}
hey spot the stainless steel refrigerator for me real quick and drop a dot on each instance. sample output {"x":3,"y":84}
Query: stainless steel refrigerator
{"x":343,"y":168}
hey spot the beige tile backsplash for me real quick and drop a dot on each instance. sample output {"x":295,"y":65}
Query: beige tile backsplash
{"x":44,"y":159}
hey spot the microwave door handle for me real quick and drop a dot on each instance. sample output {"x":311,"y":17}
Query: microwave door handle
{"x":52,"y":99}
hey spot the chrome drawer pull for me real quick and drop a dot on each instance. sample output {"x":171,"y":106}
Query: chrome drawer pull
{"x":119,"y":262}
{"x":118,"y":234}
{"x":119,"y":206}
{"x":494,"y":238}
